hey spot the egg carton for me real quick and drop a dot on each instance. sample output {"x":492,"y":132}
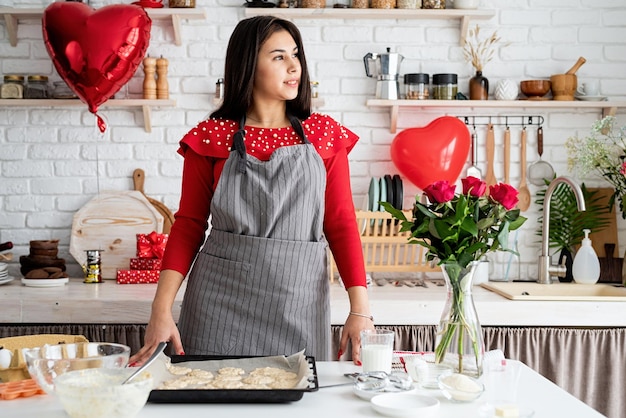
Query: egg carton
{"x":17,"y":369}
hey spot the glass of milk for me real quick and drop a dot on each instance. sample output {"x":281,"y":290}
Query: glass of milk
{"x":377,"y":350}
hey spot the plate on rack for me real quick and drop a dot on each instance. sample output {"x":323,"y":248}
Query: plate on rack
{"x":44,"y":282}
{"x":374,"y":195}
{"x":591,"y":98}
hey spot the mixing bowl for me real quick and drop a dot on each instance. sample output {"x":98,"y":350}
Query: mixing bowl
{"x":535,"y":89}
{"x":99,"y":393}
{"x":49,"y":361}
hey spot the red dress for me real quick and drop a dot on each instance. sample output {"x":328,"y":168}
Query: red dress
{"x":206,"y":148}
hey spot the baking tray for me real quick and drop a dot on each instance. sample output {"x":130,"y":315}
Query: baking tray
{"x":232,"y":395}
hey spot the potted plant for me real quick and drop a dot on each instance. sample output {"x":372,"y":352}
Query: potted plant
{"x":567,"y":223}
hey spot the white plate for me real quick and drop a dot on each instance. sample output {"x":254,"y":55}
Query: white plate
{"x":4,"y":266}
{"x":405,"y":405}
{"x":44,"y":282}
{"x":374,"y":194}
{"x":591,"y":98}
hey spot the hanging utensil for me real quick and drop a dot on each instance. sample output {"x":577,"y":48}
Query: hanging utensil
{"x":490,"y":178}
{"x":507,"y":154}
{"x":473,"y":170}
{"x":540,"y":170}
{"x":524,"y":193}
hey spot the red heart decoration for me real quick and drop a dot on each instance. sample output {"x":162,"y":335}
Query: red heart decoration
{"x":437,"y":151}
{"x":95,"y":52}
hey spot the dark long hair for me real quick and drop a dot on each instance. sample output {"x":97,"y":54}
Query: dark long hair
{"x":240,"y":66}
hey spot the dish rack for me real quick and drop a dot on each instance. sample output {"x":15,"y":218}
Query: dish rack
{"x":385,"y":248}
{"x":17,"y":370}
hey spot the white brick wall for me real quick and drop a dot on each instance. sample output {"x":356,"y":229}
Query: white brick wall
{"x":48,"y":156}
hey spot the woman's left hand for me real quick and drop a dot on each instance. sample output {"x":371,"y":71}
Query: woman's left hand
{"x":352,"y":332}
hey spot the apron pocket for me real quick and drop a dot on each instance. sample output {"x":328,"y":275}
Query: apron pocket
{"x":213,"y":309}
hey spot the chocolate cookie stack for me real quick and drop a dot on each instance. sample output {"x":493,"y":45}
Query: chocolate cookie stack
{"x":42,"y":261}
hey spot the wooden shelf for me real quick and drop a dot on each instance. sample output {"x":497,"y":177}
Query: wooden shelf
{"x":12,"y":17}
{"x":464,"y":16}
{"x":606,"y":107}
{"x":146,"y":105}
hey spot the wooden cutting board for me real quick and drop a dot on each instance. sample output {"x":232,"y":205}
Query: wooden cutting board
{"x":111,"y":222}
{"x":609,"y":234}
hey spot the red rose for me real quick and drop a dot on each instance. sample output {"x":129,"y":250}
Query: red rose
{"x":475,"y":187}
{"x":440,"y":191}
{"x":505,"y":194}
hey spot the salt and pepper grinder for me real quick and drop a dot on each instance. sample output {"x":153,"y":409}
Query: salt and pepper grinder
{"x":149,"y":81}
{"x":162,"y":86}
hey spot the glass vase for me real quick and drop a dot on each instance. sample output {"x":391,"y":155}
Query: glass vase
{"x":479,"y":87}
{"x":459,"y":341}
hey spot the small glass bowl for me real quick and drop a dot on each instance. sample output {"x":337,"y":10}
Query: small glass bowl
{"x":458,"y":387}
{"x":427,"y":374}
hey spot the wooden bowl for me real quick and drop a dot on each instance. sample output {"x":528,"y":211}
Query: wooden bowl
{"x":534,"y":89}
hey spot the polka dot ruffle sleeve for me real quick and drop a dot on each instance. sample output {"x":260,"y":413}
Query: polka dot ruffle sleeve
{"x":214,"y":137}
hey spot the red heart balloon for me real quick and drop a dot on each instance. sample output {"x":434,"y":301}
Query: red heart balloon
{"x":95,"y":52}
{"x":435,"y":152}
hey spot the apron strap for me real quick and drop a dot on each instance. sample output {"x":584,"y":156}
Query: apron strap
{"x":240,"y":146}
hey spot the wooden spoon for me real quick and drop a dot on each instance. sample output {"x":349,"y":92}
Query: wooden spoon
{"x":524,"y":194}
{"x":490,"y":178}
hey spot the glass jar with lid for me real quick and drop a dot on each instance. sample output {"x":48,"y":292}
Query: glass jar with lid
{"x":37,"y":87}
{"x":445,"y":86}
{"x":416,"y":86}
{"x":62,"y":91}
{"x":13,"y":87}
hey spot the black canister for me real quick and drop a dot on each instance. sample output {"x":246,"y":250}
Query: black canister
{"x":445,"y":86}
{"x":416,"y":86}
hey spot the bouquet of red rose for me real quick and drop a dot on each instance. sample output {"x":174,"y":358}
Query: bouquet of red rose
{"x":461,"y":228}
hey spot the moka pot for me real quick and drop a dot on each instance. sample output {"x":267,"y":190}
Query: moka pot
{"x":386,"y":70}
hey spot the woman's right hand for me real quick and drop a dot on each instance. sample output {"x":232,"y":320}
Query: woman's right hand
{"x":161,"y":327}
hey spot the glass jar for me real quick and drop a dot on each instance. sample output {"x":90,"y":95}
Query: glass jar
{"x":445,"y":86}
{"x":61,"y":90}
{"x":314,"y":4}
{"x":360,"y":4}
{"x":315,"y":89}
{"x":433,"y":4}
{"x":182,"y":3}
{"x":37,"y":87}
{"x":416,"y":86}
{"x":13,"y":87}
{"x":409,"y":4}
{"x":383,"y":4}
{"x":219,"y":89}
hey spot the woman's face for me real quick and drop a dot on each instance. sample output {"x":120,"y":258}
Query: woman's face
{"x":278,"y":68}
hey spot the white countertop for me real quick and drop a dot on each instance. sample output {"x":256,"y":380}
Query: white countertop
{"x":108,"y":302}
{"x":534,"y":392}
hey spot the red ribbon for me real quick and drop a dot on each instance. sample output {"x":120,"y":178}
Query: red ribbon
{"x":151,"y":245}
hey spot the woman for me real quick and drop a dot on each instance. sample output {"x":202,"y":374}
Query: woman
{"x":275,"y":180}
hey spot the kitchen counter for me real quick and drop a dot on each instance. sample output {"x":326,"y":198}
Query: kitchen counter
{"x":534,"y":391}
{"x":110,"y":303}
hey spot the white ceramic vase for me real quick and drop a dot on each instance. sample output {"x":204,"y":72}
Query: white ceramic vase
{"x":506,"y":90}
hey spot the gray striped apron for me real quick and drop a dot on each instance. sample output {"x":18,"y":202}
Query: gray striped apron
{"x":259,"y":286}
